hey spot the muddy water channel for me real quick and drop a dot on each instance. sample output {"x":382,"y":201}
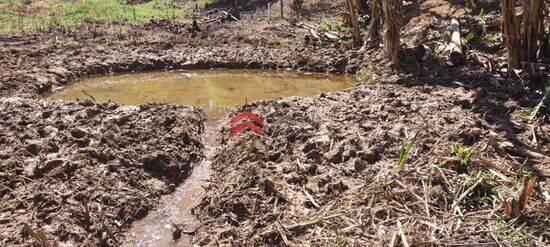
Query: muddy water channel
{"x":213,"y":90}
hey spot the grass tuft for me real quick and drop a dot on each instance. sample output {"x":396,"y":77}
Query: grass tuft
{"x":405,"y":150}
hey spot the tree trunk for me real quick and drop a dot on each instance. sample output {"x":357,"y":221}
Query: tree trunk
{"x":511,"y":34}
{"x":532,"y":30}
{"x":392,"y":20}
{"x":352,"y":10}
{"x":376,"y":19}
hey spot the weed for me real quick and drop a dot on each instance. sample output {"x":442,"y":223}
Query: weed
{"x":527,"y":114}
{"x":405,"y":150}
{"x":523,"y":114}
{"x":366,"y":76}
{"x":520,"y":234}
{"x":332,"y":25}
{"x":521,"y":169}
{"x":479,"y":28}
{"x":540,"y":105}
{"x":464,"y":154}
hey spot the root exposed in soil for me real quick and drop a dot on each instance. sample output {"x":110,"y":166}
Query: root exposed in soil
{"x":80,"y":173}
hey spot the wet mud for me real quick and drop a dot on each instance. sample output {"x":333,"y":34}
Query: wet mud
{"x":42,"y":63}
{"x":172,"y":222}
{"x":80,"y":173}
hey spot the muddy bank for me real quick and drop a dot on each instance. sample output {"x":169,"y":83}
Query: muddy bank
{"x":80,"y":173}
{"x":327,"y":174}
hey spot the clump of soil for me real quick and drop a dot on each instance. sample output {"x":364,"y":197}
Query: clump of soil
{"x":80,"y":173}
{"x":327,"y":173}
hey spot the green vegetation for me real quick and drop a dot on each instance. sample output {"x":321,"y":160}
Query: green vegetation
{"x":405,"y":150}
{"x":341,"y":241}
{"x":31,"y":15}
{"x":464,"y":154}
{"x":513,"y":232}
{"x":335,"y":25}
{"x":366,"y":76}
{"x":479,"y":29}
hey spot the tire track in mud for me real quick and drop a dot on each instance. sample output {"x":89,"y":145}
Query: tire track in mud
{"x":172,"y":222}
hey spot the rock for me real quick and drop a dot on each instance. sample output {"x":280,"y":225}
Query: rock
{"x":46,"y":114}
{"x":176,"y":234}
{"x":465,"y":104}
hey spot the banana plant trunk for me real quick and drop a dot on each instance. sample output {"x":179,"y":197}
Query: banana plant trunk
{"x":392,"y":20}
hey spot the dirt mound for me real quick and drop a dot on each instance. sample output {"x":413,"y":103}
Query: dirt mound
{"x":328,"y":173}
{"x":80,"y":173}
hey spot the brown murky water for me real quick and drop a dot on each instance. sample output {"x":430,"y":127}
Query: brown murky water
{"x":213,"y":90}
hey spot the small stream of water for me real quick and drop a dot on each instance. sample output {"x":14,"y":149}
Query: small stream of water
{"x":157,"y":228}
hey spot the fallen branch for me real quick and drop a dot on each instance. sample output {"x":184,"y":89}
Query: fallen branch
{"x":317,"y":33}
{"x":219,"y":18}
{"x":38,"y":236}
{"x":230,"y":15}
{"x":311,"y":198}
{"x":465,"y":193}
{"x":402,"y":234}
{"x":455,"y":46}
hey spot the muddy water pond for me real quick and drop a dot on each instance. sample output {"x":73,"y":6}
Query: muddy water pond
{"x":213,"y":90}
